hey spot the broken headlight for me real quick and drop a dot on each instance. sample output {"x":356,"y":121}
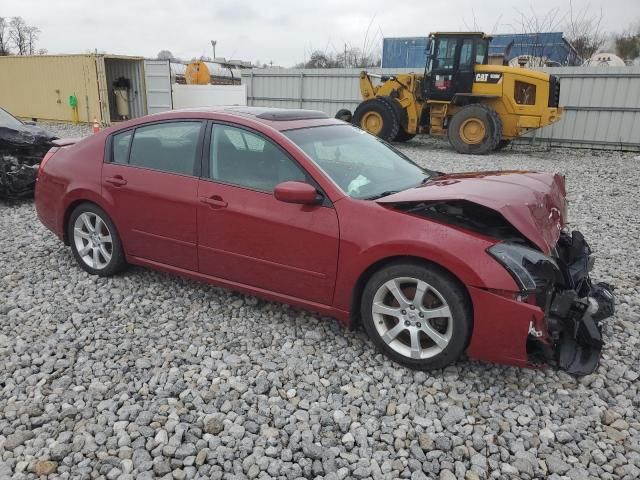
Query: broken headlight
{"x":530,"y":268}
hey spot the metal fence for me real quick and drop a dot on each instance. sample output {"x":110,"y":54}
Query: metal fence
{"x":602,"y":105}
{"x":602,"y":108}
{"x":327,"y":90}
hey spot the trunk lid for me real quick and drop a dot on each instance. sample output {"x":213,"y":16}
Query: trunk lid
{"x":65,"y":142}
{"x":534,"y":203}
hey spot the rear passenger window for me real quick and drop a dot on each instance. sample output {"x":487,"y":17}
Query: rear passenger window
{"x":121,"y":147}
{"x":170,"y":147}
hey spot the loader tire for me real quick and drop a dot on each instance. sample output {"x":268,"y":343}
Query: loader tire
{"x":401,"y":113}
{"x":475,"y":129}
{"x":404,"y":136}
{"x":378,"y":117}
{"x":502,"y":144}
{"x":344,"y":114}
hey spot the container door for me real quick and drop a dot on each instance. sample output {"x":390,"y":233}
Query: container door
{"x":157,"y":76}
{"x":103,"y":93}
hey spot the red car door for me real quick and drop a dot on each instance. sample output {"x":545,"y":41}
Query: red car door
{"x":247,"y":236}
{"x":151,"y":184}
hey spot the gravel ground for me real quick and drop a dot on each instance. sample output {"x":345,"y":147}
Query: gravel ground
{"x":149,"y":375}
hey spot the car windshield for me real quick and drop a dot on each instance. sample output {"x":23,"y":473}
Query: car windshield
{"x":362,"y":165}
{"x":8,"y":120}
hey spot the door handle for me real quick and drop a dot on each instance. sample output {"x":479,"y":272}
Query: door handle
{"x":215,"y":201}
{"x":117,"y":181}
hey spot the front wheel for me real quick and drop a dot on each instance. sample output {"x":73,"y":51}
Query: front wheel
{"x":94,"y":241}
{"x":378,"y":117}
{"x":418,"y":315}
{"x":404,"y":136}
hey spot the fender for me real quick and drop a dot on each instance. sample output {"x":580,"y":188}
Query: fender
{"x":462,"y":253}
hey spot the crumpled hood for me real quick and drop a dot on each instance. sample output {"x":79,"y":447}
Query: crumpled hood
{"x":534,"y":203}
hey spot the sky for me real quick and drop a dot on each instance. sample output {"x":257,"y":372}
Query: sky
{"x":280,"y":31}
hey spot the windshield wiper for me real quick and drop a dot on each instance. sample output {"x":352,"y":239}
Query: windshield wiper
{"x":380,"y":195}
{"x":391,"y":192}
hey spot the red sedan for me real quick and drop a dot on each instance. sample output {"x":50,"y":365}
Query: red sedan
{"x":293,"y":206}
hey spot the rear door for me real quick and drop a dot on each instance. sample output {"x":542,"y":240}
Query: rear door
{"x":150,"y":179}
{"x":247,"y":236}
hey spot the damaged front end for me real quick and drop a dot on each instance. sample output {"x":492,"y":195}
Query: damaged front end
{"x":21,"y":150}
{"x":569,"y":335}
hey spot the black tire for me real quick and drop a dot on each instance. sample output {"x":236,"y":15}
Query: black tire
{"x":448,"y":288}
{"x":492,"y":129}
{"x":116,"y":262}
{"x":401,"y":114}
{"x":502,"y":144}
{"x":404,"y":136}
{"x":344,"y":114}
{"x":390,"y":121}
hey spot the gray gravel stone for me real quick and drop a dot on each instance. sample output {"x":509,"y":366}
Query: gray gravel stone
{"x":557,"y":465}
{"x":147,"y":375}
{"x":16,"y":439}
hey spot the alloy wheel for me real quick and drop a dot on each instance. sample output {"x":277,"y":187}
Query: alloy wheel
{"x":412,"y":317}
{"x":93,"y":240}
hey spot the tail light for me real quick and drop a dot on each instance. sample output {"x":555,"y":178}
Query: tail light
{"x":46,"y":157}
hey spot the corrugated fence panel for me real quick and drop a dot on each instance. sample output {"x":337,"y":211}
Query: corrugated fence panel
{"x":602,"y":108}
{"x":602,"y":105}
{"x":327,"y":90}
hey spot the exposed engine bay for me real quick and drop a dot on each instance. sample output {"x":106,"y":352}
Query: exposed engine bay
{"x":570,"y":336}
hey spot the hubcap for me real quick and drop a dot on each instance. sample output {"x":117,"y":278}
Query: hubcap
{"x":372,"y":122}
{"x":412,"y":317}
{"x":472,"y":131}
{"x":92,"y":240}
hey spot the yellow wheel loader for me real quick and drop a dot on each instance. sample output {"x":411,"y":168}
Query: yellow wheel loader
{"x":480,"y":107}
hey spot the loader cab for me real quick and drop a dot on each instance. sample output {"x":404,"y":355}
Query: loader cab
{"x":450,"y":63}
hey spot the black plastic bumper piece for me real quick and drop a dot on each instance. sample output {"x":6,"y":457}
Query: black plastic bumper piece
{"x":579,"y":348}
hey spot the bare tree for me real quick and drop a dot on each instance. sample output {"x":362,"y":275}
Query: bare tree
{"x":32,"y":34}
{"x":4,"y":37}
{"x":583,"y":31}
{"x":532,"y":24}
{"x":353,"y":57}
{"x":627,"y":44}
{"x":18,"y":35}
{"x":320,"y":59}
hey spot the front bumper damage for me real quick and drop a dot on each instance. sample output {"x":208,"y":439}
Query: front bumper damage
{"x":570,"y":336}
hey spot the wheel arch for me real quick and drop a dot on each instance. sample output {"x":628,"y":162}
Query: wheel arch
{"x":378,"y":265}
{"x":73,"y":204}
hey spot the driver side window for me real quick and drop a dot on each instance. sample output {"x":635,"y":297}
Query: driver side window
{"x":243,"y":158}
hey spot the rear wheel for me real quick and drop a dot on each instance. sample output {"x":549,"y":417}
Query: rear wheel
{"x":344,"y":114}
{"x":377,"y":117}
{"x":502,"y":144}
{"x":475,"y":129}
{"x":417,"y":315}
{"x":94,"y":241}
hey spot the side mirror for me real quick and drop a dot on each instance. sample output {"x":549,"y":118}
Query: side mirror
{"x":297,"y":192}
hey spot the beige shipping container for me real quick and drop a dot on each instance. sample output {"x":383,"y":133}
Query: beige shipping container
{"x":40,"y":86}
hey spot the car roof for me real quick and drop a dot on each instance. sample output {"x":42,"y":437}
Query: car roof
{"x":278,"y":118}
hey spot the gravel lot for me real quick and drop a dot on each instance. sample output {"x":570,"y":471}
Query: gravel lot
{"x":149,"y":375}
